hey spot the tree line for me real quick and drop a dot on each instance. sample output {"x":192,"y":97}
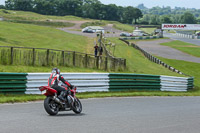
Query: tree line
{"x":93,"y":9}
{"x":159,"y":15}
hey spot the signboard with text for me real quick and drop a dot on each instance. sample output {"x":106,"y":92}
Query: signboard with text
{"x":181,"y":26}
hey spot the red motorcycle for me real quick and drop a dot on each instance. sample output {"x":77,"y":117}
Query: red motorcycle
{"x":53,"y":104}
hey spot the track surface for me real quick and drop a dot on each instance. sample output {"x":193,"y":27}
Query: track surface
{"x":108,"y":115}
{"x":154,"y":47}
{"x":175,"y":37}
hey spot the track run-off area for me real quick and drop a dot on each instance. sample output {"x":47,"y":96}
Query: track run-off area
{"x":107,"y":115}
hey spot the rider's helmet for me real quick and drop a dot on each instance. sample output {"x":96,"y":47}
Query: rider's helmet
{"x":56,"y":70}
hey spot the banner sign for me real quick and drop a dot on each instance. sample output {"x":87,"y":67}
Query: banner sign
{"x":181,"y":26}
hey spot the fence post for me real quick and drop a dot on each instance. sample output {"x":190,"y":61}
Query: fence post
{"x":97,"y":62}
{"x":113,"y":64}
{"x":74,"y":58}
{"x":47,"y":57}
{"x":106,"y":63}
{"x":86,"y":60}
{"x":124,"y":64}
{"x":33,"y":56}
{"x":63,"y":58}
{"x":11,"y":59}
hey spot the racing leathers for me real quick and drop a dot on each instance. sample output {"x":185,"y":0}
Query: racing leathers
{"x":53,"y":81}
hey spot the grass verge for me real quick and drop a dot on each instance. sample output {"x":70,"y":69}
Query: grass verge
{"x":33,"y":69}
{"x":9,"y":98}
{"x":189,"y":68}
{"x":136,"y":61}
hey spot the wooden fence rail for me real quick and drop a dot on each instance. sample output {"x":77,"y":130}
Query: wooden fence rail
{"x":51,"y":57}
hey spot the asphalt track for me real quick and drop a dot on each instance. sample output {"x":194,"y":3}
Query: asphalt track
{"x":107,"y":115}
{"x":188,"y":40}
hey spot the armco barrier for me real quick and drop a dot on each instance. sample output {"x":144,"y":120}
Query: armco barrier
{"x":142,"y":37}
{"x":87,"y":82}
{"x":170,"y":83}
{"x":13,"y":82}
{"x":120,"y":82}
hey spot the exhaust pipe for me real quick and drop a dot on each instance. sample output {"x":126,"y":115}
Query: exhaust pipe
{"x":57,"y":101}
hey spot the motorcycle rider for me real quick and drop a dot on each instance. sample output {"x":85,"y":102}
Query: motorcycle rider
{"x":53,"y":81}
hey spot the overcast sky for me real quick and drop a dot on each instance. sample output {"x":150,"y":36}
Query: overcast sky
{"x":151,"y":3}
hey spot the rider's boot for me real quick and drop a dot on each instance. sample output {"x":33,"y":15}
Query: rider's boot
{"x":62,"y":95}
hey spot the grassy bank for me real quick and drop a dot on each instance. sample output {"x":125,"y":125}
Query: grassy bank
{"x":26,"y":35}
{"x":95,"y":23}
{"x":124,"y":27}
{"x":189,"y":68}
{"x":136,"y":61}
{"x":43,"y":23}
{"x":33,"y":69}
{"x":184,"y":47}
{"x":22,"y":15}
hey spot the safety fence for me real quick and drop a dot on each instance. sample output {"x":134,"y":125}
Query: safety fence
{"x":153,"y":59}
{"x":94,"y":82}
{"x":51,"y":57}
{"x":141,"y":37}
{"x":13,"y":82}
{"x":187,"y":36}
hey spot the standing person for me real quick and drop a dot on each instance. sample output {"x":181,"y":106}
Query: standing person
{"x":53,"y":81}
{"x":96,"y":50}
{"x":101,"y":51}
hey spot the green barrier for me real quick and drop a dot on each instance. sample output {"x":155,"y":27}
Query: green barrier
{"x":13,"y":82}
{"x":121,"y":82}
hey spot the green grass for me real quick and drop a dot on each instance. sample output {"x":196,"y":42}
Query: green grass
{"x":22,"y":15}
{"x":26,"y":35}
{"x":148,"y":30}
{"x":43,"y":23}
{"x":95,"y":23}
{"x":184,"y":47}
{"x":124,"y":27}
{"x":136,"y":61}
{"x":33,"y":69}
{"x":9,"y":98}
{"x":189,"y":68}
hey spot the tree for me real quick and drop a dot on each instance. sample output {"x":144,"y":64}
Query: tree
{"x":130,"y":14}
{"x":188,"y":18}
{"x":166,"y":19}
{"x":25,"y":5}
{"x":2,"y":7}
{"x":138,"y":14}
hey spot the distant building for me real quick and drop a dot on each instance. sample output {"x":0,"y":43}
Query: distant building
{"x":93,"y":29}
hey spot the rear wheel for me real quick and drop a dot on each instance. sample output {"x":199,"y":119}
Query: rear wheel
{"x":51,"y":106}
{"x":77,"y":106}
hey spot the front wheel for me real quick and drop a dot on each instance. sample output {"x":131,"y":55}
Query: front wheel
{"x":51,"y":106}
{"x":77,"y":106}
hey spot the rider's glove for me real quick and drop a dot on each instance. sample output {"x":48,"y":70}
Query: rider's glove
{"x":72,"y":86}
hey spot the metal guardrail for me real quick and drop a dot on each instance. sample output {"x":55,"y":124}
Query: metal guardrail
{"x":141,"y":37}
{"x":93,"y":82}
{"x":170,"y":83}
{"x":190,"y":36}
{"x":13,"y":82}
{"x":85,"y":82}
